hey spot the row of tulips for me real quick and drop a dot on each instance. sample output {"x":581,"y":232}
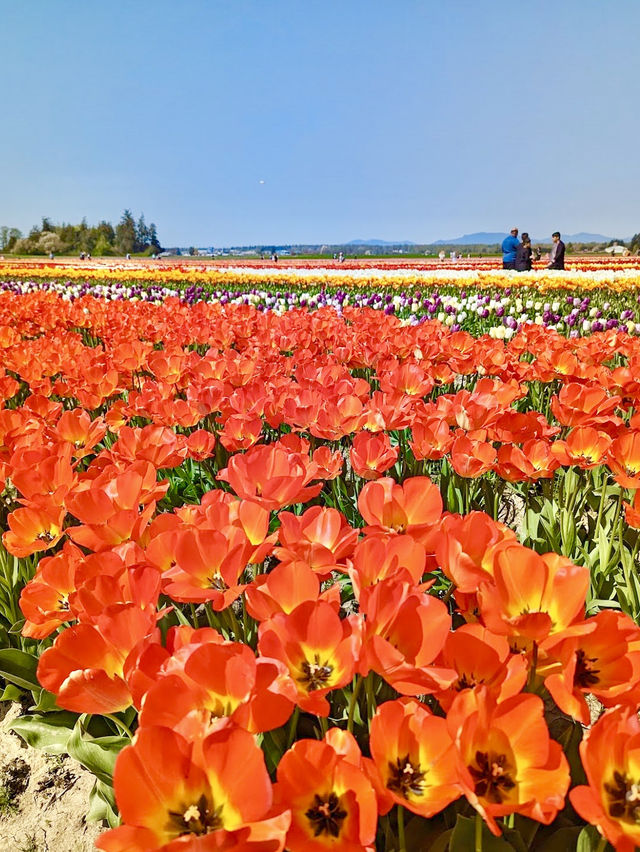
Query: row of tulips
{"x":618,"y":275}
{"x":323,"y":580}
{"x":497,"y":312}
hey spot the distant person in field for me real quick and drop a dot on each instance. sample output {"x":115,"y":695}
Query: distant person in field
{"x":556,"y":257}
{"x":509,"y":248}
{"x":524,"y":254}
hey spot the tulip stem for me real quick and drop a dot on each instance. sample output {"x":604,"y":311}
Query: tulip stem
{"x":478,"y":833}
{"x":602,"y":845}
{"x":402,"y":846}
{"x":371,"y":700}
{"x":293,"y":724}
{"x":124,"y":729}
{"x":534,"y":665}
{"x":357,"y":684}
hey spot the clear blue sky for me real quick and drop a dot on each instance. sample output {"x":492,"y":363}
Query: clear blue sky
{"x":364,"y":118}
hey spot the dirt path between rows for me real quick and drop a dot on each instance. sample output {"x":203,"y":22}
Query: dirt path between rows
{"x":43,"y":798}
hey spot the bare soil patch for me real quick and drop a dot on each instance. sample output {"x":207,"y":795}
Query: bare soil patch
{"x":43,"y":798}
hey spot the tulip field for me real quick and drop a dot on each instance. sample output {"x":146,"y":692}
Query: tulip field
{"x":315,"y":559}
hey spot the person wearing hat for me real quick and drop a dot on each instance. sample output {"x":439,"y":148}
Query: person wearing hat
{"x":509,"y":249}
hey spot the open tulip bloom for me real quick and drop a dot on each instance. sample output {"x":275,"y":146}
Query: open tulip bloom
{"x":328,"y":560}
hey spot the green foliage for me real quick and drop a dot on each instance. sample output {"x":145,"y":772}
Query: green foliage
{"x":103,"y":247}
{"x":126,"y":234}
{"x":49,"y":732}
{"x":101,"y":240}
{"x":9,"y":237}
{"x":19,"y":668}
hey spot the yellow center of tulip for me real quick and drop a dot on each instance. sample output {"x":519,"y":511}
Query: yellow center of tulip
{"x":45,"y":535}
{"x":326,"y":815}
{"x":586,"y":674}
{"x":406,"y":778}
{"x":198,"y":818}
{"x":492,"y":776}
{"x":315,"y":675}
{"x":624,"y":798}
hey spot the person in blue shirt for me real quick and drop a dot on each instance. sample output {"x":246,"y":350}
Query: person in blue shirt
{"x":509,"y":248}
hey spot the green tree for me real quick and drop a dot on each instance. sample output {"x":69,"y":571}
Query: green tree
{"x":154,"y":242}
{"x":102,"y":247}
{"x":126,"y":233}
{"x":9,"y":237}
{"x":142,"y":234}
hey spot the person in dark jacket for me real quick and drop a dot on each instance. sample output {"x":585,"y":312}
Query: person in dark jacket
{"x":524,"y":253}
{"x":509,"y":246}
{"x":556,"y":258}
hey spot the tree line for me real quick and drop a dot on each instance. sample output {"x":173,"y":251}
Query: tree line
{"x":101,"y":240}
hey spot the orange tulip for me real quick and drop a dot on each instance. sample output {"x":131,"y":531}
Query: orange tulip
{"x":271,"y":476}
{"x":78,"y":429}
{"x":284,"y":588}
{"x":115,"y":507}
{"x":85,"y":667}
{"x":413,"y":508}
{"x":507,"y":763}
{"x":211,"y":680}
{"x":240,"y":432}
{"x":405,"y":630}
{"x":332,"y":802}
{"x":175,"y":795}
{"x":329,"y":464}
{"x":586,"y":405}
{"x":534,"y":461}
{"x":33,"y":528}
{"x":158,"y":445}
{"x":208,"y":566}
{"x":320,"y":537}
{"x":481,"y":658}
{"x":378,"y":558}
{"x":624,"y":459}
{"x":463,"y":544}
{"x":319,"y":650}
{"x":632,"y":513}
{"x":44,"y":601}
{"x":610,"y":757}
{"x":372,"y":454}
{"x":532,"y":596}
{"x":432,"y":438}
{"x":470,"y":457}
{"x":200,"y":445}
{"x":415,"y":757}
{"x":44,"y":476}
{"x":604,"y":662}
{"x":585,"y":447}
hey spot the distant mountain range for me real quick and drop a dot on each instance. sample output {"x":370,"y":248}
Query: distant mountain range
{"x":380,"y":243}
{"x":484,"y":238}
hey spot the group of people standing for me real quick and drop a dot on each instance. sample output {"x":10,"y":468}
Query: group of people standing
{"x":520,"y":255}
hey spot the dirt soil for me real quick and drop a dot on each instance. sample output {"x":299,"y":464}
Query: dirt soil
{"x":43,"y":798}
